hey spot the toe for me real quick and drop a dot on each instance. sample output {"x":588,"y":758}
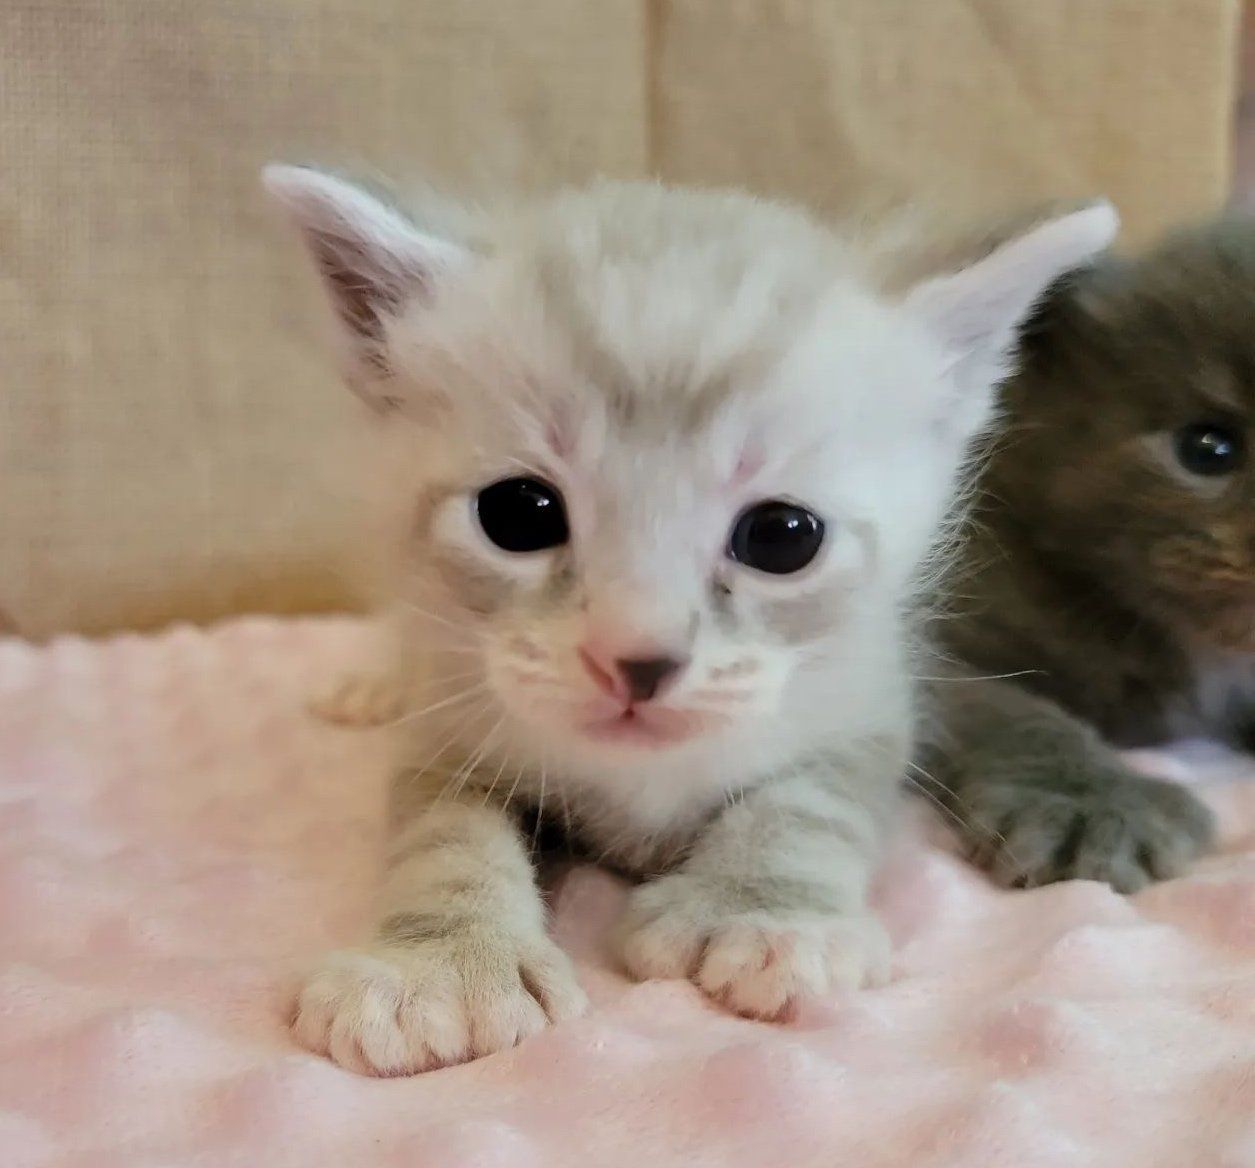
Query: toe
{"x":504,"y":1023}
{"x":551,"y":982}
{"x":667,"y":946}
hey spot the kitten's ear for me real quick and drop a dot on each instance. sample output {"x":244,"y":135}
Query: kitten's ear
{"x":978,"y":311}
{"x":1075,"y":311}
{"x":373,"y":261}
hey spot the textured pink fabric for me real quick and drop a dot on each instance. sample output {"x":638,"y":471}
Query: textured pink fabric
{"x":176,"y":834}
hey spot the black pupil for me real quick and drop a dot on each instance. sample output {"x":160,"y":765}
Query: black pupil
{"x":1206,"y":449}
{"x":522,"y":515}
{"x":776,"y":537}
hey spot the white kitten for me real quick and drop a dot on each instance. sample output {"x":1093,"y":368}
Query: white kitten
{"x":670,"y":463}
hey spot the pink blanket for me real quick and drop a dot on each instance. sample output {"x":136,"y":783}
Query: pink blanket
{"x":176,"y":834}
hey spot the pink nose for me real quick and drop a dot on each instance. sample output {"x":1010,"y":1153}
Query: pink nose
{"x":631,"y":679}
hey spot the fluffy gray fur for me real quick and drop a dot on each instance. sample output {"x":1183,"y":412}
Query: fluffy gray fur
{"x":1112,"y":582}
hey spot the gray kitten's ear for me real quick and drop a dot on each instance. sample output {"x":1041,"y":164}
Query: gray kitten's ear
{"x":1075,"y":310}
{"x":977,"y":311}
{"x":373,"y":261}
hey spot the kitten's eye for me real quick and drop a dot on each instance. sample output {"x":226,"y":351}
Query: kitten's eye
{"x":522,"y":515}
{"x":1208,"y":449}
{"x":776,"y":537}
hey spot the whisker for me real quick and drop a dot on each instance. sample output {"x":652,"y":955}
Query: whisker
{"x":464,"y":773}
{"x":431,"y":616}
{"x":566,"y":807}
{"x":941,"y":806}
{"x":983,"y":677}
{"x":540,"y":808}
{"x":496,"y":779}
{"x":465,"y":675}
{"x":438,"y":650}
{"x":444,"y":703}
{"x":457,"y":733}
{"x":964,"y":824}
{"x":518,"y":778}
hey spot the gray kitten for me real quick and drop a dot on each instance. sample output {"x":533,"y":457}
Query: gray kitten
{"x":1110,"y":566}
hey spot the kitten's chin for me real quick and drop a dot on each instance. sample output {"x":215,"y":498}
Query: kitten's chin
{"x":649,"y":729}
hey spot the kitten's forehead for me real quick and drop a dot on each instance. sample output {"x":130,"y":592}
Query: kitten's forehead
{"x":637,"y":318}
{"x":666,"y":311}
{"x":1178,"y":319}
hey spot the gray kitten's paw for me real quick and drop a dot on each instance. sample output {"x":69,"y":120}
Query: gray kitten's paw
{"x":1117,"y":828}
{"x":396,"y":1010}
{"x":757,"y":964}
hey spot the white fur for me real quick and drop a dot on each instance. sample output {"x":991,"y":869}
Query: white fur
{"x":812,"y":384}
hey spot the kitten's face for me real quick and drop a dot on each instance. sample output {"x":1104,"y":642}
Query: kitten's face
{"x":1134,"y":431}
{"x":639,"y":594}
{"x":656,"y":529}
{"x":670,"y":460}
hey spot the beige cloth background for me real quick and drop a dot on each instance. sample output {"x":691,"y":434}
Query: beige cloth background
{"x":168,"y":426}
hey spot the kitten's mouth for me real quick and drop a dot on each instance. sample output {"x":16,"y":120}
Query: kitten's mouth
{"x":644,"y":727}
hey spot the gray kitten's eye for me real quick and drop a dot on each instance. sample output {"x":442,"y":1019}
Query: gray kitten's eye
{"x":522,"y":515}
{"x":776,"y":537}
{"x":1209,"y":449}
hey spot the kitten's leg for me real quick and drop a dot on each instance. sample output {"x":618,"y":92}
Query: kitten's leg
{"x":375,"y":695}
{"x":770,"y":905}
{"x":1041,"y":797}
{"x":461,"y":965}
{"x":359,"y":699}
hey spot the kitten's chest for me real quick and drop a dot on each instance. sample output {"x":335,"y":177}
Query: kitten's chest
{"x":616,"y":841}
{"x":586,"y":825}
{"x":641,"y":811}
{"x":641,"y":822}
{"x":1220,"y":701}
{"x":648,"y":829}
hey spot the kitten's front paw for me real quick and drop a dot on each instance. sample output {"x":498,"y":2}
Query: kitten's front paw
{"x":396,"y":1010}
{"x":359,"y":699}
{"x":758,"y":964}
{"x":1115,"y":827}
